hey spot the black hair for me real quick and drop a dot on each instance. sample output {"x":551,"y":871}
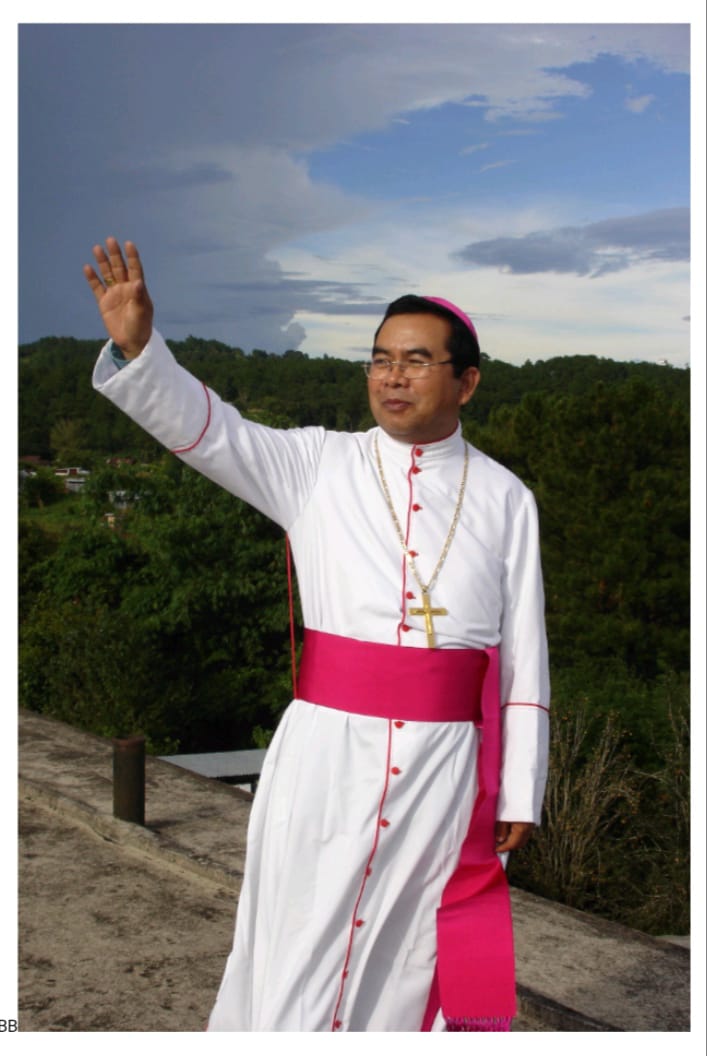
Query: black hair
{"x":462,"y":346}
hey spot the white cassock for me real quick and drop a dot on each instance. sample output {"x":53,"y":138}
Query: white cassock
{"x":336,"y":919}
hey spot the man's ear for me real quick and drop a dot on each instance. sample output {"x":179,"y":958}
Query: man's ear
{"x":469,"y":381}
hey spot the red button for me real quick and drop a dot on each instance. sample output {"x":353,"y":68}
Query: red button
{"x":359,"y":923}
{"x":419,"y":452}
{"x":410,"y":595}
{"x":398,"y":724}
{"x":412,"y":553}
{"x":395,"y":770}
{"x":416,"y":469}
{"x":384,"y":823}
{"x":337,"y":1024}
{"x":416,"y":507}
{"x":405,"y":627}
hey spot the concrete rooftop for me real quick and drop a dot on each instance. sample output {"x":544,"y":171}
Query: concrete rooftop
{"x":125,"y":928}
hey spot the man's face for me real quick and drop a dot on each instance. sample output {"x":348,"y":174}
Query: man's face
{"x":419,"y":410}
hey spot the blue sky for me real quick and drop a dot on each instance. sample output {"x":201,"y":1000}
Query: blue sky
{"x":284,"y":182}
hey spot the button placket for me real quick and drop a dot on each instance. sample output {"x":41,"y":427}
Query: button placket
{"x":359,"y":922}
{"x":415,"y":508}
{"x":399,"y":724}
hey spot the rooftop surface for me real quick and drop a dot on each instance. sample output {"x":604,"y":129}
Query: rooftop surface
{"x":127,"y":928}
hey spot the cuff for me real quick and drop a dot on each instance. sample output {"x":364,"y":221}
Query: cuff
{"x":116,"y":354}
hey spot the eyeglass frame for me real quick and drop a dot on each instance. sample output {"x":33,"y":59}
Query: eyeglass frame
{"x":403,"y":365}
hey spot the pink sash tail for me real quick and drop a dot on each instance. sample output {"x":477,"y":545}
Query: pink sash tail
{"x":474,"y":980}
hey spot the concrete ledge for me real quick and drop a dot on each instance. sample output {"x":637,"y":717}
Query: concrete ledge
{"x":576,"y":972}
{"x":550,"y":1015}
{"x":588,"y":970}
{"x":136,"y":838}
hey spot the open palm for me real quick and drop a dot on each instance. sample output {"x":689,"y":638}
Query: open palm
{"x":122,"y":297}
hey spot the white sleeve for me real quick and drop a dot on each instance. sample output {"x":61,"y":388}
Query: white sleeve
{"x":272,"y":469}
{"x":525,"y":680}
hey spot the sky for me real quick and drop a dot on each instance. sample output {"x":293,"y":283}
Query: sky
{"x":285,"y":181}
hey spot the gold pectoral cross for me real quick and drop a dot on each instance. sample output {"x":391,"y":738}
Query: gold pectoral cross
{"x":428,"y":612}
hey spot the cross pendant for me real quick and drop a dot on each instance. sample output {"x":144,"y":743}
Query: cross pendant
{"x":428,"y":612}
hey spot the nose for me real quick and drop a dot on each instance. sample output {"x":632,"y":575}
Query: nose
{"x":395,"y":375}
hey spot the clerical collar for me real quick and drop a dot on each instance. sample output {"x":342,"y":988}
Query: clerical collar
{"x":434,"y":450}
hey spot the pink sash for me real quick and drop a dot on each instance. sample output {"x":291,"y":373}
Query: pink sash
{"x":474,"y":982}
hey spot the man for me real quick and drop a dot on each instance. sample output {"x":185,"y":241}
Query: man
{"x":373,"y":897}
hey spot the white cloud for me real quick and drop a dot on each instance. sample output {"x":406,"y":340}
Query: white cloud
{"x":637,"y":104}
{"x":635,"y":314}
{"x":220,"y":120}
{"x":495,"y":165}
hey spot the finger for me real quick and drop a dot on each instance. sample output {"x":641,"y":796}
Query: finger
{"x":503,"y":829}
{"x":93,"y":281}
{"x":134,"y":263}
{"x":117,"y":265}
{"x":100,"y":255}
{"x":513,"y":843}
{"x":104,"y":265}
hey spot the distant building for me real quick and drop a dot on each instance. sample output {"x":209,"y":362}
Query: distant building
{"x":74,"y":477}
{"x":33,"y":460}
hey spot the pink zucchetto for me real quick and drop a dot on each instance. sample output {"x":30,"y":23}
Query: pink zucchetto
{"x":457,"y":311}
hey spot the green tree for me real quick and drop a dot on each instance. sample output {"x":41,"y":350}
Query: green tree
{"x":40,"y":488}
{"x":193,"y":581}
{"x":67,"y":438}
{"x":610,"y":471}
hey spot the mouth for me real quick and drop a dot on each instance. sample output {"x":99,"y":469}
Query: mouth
{"x":396,"y":405}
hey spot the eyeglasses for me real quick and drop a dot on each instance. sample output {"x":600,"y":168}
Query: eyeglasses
{"x":381,"y":368}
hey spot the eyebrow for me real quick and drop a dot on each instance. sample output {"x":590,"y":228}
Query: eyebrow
{"x":378,"y":351}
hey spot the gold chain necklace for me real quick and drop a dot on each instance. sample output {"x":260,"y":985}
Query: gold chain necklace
{"x":426,"y":610}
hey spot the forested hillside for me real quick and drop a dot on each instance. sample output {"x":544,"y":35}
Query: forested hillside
{"x":56,"y":393}
{"x":152,"y":601}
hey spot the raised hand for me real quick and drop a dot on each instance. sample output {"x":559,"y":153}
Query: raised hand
{"x":121,"y":295}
